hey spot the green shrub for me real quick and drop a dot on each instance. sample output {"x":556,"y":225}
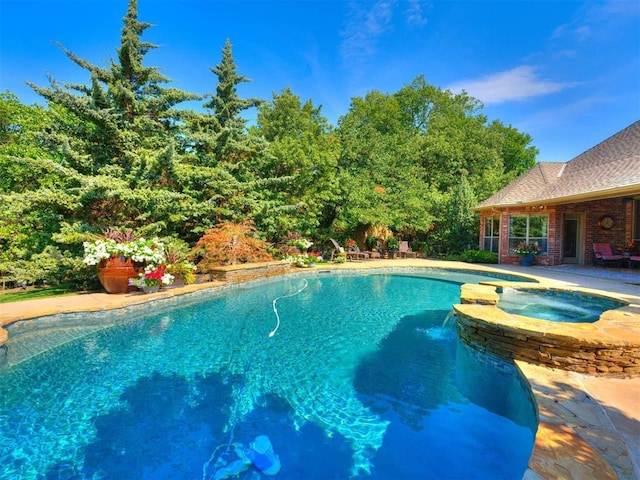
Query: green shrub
{"x":478,"y":256}
{"x":418,"y":246}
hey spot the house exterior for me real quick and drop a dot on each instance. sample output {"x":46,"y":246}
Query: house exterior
{"x":565,"y":207}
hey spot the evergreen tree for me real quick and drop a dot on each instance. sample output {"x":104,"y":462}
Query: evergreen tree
{"x":119,"y":134}
{"x":232,"y":156}
{"x":125,"y":115}
{"x":221,"y":135}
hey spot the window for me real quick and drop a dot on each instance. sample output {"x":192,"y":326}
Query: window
{"x":491,"y":234}
{"x":531,"y":229}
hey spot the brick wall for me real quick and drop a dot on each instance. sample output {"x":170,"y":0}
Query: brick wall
{"x":591,"y":212}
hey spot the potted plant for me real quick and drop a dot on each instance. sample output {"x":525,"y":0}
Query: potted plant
{"x":183,"y":271}
{"x":153,"y":278}
{"x":371,"y":243}
{"x":629,"y":246}
{"x":116,"y":254}
{"x":392,"y":244}
{"x":303,"y":259}
{"x":176,"y":256}
{"x":303,"y":244}
{"x":526,"y":251}
{"x":312,"y":258}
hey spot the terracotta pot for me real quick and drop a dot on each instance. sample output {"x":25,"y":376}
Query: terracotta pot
{"x":177,"y":282}
{"x":114,"y":274}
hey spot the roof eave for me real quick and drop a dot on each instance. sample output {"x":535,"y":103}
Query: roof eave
{"x":582,"y":197}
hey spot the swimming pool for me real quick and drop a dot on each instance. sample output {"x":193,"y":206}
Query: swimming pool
{"x":555,"y":305}
{"x":359,"y":378}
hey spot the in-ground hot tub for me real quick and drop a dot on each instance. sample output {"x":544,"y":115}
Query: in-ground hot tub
{"x":556,"y":305}
{"x":608,"y":346}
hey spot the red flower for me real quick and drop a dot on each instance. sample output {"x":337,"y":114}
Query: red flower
{"x":157,"y":273}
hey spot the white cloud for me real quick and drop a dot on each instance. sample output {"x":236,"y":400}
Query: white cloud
{"x":364,"y":28}
{"x":617,"y":7}
{"x":414,"y":14}
{"x":369,"y":22}
{"x":582,"y":33}
{"x":518,"y":84}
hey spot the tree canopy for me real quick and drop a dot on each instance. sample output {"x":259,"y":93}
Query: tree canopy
{"x":120,"y":151}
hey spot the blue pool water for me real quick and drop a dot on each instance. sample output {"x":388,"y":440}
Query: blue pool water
{"x":360,"y":378}
{"x":555,"y":305}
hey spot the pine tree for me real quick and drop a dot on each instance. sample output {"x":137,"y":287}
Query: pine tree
{"x":230,"y":155}
{"x":122,"y":135}
{"x":124,"y":116}
{"x":221,"y":135}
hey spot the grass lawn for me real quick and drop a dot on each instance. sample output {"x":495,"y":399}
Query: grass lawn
{"x":32,"y":293}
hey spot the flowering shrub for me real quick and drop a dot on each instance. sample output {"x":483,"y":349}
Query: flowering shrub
{"x":185,"y":269}
{"x":303,"y":259}
{"x":154,"y":276}
{"x":139,"y":250}
{"x":526,"y":249}
{"x":302,"y":243}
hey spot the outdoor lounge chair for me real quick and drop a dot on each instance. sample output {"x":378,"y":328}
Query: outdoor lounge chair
{"x":357,"y":254}
{"x":405,"y":250}
{"x":634,"y":259}
{"x":350,"y":254}
{"x":372,"y":254}
{"x":602,"y":253}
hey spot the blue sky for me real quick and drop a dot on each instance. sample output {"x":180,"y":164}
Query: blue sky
{"x":565,"y":72}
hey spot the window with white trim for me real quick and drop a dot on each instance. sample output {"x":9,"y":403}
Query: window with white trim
{"x":531,"y":229}
{"x":491,"y":241}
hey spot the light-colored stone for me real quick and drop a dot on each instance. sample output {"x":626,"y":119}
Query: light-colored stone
{"x":602,"y":347}
{"x":564,"y":398}
{"x":559,"y":453}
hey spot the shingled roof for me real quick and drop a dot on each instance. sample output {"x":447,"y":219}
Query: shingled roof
{"x":611,"y":168}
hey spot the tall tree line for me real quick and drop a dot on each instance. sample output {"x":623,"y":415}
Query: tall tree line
{"x":121,"y":151}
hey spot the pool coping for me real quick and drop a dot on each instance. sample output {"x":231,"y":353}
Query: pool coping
{"x":585,"y":431}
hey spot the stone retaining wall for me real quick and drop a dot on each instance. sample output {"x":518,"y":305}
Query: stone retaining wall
{"x":605,"y":347}
{"x":250,"y":271}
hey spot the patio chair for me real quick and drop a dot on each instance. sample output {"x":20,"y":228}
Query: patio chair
{"x":602,"y":253}
{"x":373,"y":254}
{"x":350,"y":254}
{"x":358,"y":254}
{"x":634,"y":259}
{"x":405,"y":250}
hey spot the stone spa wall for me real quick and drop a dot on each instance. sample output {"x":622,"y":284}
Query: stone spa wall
{"x":609,"y":346}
